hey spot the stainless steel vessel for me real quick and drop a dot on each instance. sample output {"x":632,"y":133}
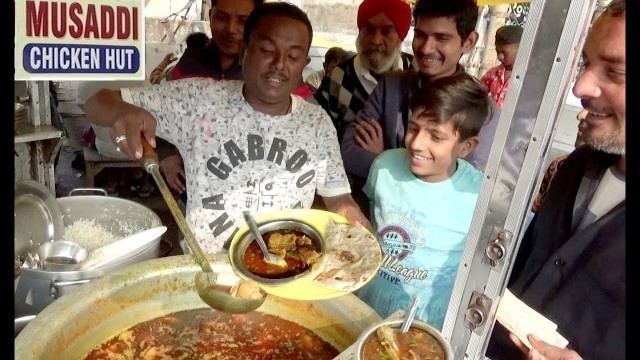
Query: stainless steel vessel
{"x":72,"y":326}
{"x":397,"y":323}
{"x":38,"y":288}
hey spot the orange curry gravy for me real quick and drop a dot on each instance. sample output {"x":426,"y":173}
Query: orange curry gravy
{"x":210,"y":334}
{"x":422,"y":344}
{"x":254,"y":259}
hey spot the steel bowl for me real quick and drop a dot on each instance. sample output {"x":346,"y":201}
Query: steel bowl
{"x":397,"y":323}
{"x":62,"y":255}
{"x":236,"y":257}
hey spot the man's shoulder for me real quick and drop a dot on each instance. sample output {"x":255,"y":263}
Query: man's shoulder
{"x":586,"y":156}
{"x":492,"y":72}
{"x":311,"y":112}
{"x":205,"y":89}
{"x":345,"y":68}
{"x":398,"y":77}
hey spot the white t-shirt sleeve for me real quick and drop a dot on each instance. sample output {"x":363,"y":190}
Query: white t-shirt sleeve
{"x":173,"y":104}
{"x":332,"y":178}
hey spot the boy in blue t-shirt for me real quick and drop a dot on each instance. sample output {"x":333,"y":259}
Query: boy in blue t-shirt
{"x":423,"y":197}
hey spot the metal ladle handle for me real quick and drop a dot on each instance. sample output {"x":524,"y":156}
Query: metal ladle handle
{"x":255,"y":231}
{"x":411,"y":313}
{"x":150,"y":162}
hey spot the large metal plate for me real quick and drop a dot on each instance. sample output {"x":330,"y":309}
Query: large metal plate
{"x":302,"y":288}
{"x":37,"y":217}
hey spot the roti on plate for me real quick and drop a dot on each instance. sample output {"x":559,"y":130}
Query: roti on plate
{"x":352,"y":256}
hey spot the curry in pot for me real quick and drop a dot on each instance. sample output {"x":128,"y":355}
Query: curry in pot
{"x":210,"y":334}
{"x":391,"y":344}
{"x":296,"y":248}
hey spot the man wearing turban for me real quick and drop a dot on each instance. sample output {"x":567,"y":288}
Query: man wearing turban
{"x":382,"y":26}
{"x":443,"y":32}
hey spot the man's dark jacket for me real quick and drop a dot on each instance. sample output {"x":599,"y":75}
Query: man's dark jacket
{"x":577,"y":280}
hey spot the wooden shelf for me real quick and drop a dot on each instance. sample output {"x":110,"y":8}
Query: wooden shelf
{"x":27,"y":133}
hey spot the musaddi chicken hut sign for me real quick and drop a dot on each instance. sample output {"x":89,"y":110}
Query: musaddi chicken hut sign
{"x":81,"y":40}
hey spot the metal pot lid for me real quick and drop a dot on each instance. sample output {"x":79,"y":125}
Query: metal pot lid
{"x":37,"y":217}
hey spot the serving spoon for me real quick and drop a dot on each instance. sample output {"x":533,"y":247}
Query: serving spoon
{"x":269,"y":258}
{"x":209,"y":291}
{"x":410,"y":314}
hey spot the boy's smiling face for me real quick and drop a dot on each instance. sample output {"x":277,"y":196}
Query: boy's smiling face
{"x":434,"y":147}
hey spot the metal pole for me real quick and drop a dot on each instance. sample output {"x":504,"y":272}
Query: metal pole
{"x":544,"y":69}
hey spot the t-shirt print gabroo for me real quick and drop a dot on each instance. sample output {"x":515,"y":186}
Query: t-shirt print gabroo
{"x":237,"y":158}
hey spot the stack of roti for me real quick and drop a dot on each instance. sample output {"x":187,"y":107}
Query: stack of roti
{"x":521,"y":320}
{"x":352,"y":256}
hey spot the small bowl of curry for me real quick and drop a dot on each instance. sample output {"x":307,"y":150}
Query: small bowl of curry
{"x":384,"y":340}
{"x":299,"y":244}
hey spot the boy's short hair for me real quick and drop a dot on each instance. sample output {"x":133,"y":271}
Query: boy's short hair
{"x":336,"y":54}
{"x":460,"y":98}
{"x":276,"y":8}
{"x":509,"y":34}
{"x":463,"y":12}
{"x":256,"y":3}
{"x":197,"y":40}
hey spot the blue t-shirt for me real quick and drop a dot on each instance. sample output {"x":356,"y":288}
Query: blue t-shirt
{"x":422,"y":228}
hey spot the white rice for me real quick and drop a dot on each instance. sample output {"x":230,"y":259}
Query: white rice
{"x":89,"y":234}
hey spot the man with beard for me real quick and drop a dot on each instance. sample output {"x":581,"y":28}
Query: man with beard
{"x":497,"y":79}
{"x":247,"y":145}
{"x":443,"y":32}
{"x":571,"y":263}
{"x":382,"y":25}
{"x":219,"y":60}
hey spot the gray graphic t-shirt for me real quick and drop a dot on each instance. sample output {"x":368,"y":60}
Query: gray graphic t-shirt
{"x":237,"y":158}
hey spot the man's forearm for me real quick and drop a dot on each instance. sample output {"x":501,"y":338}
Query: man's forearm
{"x":345,"y":205}
{"x":357,"y":161}
{"x":103,"y":107}
{"x":335,"y":202}
{"x":164,"y":149}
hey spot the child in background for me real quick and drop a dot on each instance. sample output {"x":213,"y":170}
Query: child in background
{"x":423,"y":197}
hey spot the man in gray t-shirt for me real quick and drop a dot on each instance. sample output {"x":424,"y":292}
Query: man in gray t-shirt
{"x":247,"y":145}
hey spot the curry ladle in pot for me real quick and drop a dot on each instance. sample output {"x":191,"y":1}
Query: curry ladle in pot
{"x":213,"y":294}
{"x":269,"y":258}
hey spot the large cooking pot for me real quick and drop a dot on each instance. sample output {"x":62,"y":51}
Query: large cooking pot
{"x":73,"y":325}
{"x":37,"y":288}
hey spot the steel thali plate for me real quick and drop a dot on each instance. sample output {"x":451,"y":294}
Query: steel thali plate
{"x":37,"y":217}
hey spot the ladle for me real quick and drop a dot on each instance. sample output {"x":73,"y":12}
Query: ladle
{"x":269,"y":258}
{"x":410,"y":314}
{"x":210,"y":292}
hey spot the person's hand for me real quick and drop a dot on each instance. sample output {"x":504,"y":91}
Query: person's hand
{"x":369,"y":136}
{"x":171,"y":167}
{"x":132,"y":121}
{"x":543,"y":351}
{"x":344,"y":205}
{"x":169,"y":58}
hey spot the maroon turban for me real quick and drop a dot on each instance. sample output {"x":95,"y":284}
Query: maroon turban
{"x":397,"y":10}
